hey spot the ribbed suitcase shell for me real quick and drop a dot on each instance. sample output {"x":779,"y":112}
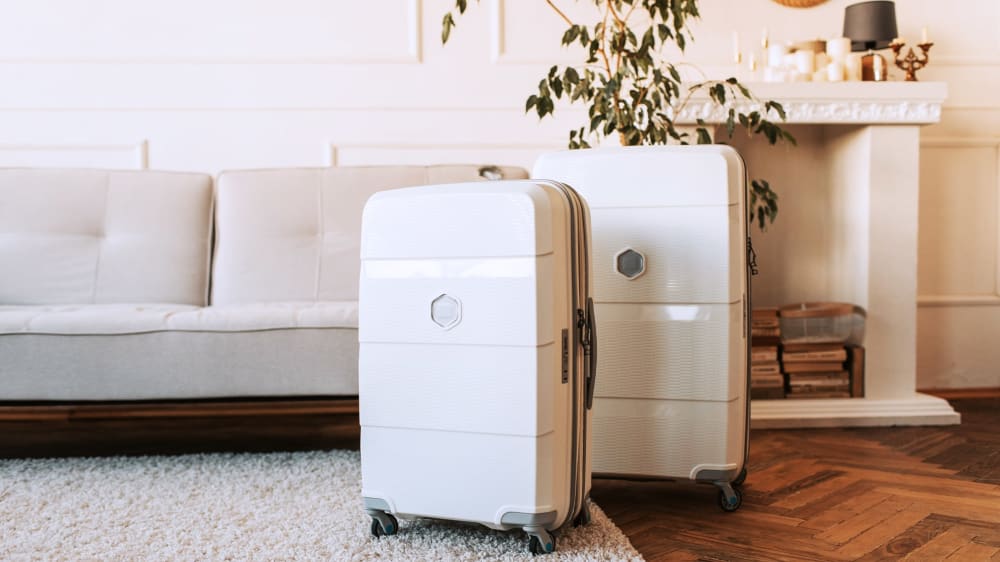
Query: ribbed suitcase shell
{"x":671,"y":398}
{"x":469,"y":297}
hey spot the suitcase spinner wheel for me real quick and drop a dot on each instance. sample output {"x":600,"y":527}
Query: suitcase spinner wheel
{"x":540,"y":541}
{"x":383,"y":524}
{"x":730,"y":498}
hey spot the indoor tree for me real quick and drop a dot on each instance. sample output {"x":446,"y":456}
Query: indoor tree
{"x":630,"y":88}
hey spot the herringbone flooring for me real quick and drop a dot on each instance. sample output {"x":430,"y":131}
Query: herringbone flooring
{"x":835,"y":494}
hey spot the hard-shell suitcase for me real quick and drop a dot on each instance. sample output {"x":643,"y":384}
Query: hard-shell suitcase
{"x":671,"y":293}
{"x":475,"y":356}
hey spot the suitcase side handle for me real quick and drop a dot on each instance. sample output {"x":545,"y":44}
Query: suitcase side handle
{"x":588,"y":339}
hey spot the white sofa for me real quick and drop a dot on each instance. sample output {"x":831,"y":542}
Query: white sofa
{"x":120,"y":286}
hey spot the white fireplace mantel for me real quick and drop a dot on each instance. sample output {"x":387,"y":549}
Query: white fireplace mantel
{"x":866,"y":154}
{"x":836,"y":103}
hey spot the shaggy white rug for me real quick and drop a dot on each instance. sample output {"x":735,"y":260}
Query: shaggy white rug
{"x":278,"y":506}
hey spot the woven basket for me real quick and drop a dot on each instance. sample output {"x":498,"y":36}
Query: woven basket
{"x":800,"y":3}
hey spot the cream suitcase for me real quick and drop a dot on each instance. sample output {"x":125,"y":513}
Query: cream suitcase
{"x":475,"y":368}
{"x":670,"y":292}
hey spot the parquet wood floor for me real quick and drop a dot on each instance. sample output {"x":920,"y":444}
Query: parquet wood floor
{"x":915,"y":493}
{"x":928,"y":493}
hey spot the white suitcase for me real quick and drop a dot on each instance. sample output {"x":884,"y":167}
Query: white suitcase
{"x":475,"y":372}
{"x":671,"y":297}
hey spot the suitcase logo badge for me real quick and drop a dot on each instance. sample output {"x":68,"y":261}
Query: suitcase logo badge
{"x":630,"y":263}
{"x":446,"y":311}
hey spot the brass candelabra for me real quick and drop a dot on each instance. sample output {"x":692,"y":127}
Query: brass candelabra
{"x":911,"y":63}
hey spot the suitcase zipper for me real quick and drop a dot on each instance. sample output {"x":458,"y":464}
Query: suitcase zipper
{"x":579,"y":437}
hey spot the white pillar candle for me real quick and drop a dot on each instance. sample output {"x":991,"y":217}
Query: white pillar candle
{"x":923,"y":35}
{"x":838,"y":48}
{"x":763,"y":39}
{"x":776,"y":56}
{"x":820,"y":75}
{"x":835,"y":71}
{"x":822,"y":59}
{"x":805,"y":62}
{"x":736,"y":47}
{"x":852,"y":67}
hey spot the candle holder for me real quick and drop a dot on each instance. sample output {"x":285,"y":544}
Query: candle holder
{"x":911,"y":63}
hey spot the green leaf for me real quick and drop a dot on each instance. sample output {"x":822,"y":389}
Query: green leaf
{"x":571,"y":34}
{"x":446,"y":25}
{"x":664,"y":32}
{"x":595,"y":121}
{"x":720,"y":93}
{"x":532,"y":100}
{"x":557,"y":87}
{"x":462,"y":5}
{"x":777,"y":107}
{"x":703,"y":136}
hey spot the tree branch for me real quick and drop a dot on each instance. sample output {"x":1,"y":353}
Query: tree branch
{"x":560,"y":12}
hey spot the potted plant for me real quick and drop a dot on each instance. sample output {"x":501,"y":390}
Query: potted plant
{"x":630,"y":89}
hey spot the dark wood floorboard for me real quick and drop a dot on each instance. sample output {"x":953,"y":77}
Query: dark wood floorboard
{"x":924,"y":493}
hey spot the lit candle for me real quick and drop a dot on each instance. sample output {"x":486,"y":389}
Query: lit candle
{"x":763,"y":39}
{"x":752,"y":65}
{"x":736,"y":47}
{"x":923,"y":35}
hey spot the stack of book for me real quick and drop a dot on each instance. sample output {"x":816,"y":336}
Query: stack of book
{"x":816,"y":370}
{"x":766,"y":380}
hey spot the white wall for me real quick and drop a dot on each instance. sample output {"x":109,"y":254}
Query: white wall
{"x":207,"y":86}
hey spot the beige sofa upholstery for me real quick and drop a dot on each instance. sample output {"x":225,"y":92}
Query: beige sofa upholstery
{"x":112,"y":288}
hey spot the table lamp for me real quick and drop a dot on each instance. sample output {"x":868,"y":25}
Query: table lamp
{"x":870,"y":26}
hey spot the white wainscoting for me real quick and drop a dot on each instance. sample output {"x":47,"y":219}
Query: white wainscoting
{"x":123,"y":156}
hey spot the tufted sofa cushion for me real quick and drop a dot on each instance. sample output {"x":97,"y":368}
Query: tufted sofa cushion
{"x":98,"y":236}
{"x":294,"y":234}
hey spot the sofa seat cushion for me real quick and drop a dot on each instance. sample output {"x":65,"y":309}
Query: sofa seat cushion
{"x":111,"y":319}
{"x":268,"y":316}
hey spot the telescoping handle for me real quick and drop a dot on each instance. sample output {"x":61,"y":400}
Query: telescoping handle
{"x":588,"y":339}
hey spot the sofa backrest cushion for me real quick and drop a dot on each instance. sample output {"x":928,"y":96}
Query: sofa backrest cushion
{"x":101,"y":236}
{"x":294,"y":234}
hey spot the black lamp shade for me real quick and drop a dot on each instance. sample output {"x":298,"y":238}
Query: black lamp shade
{"x":870,"y":25}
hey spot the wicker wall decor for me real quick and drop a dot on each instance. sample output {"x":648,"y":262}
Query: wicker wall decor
{"x":800,"y":3}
